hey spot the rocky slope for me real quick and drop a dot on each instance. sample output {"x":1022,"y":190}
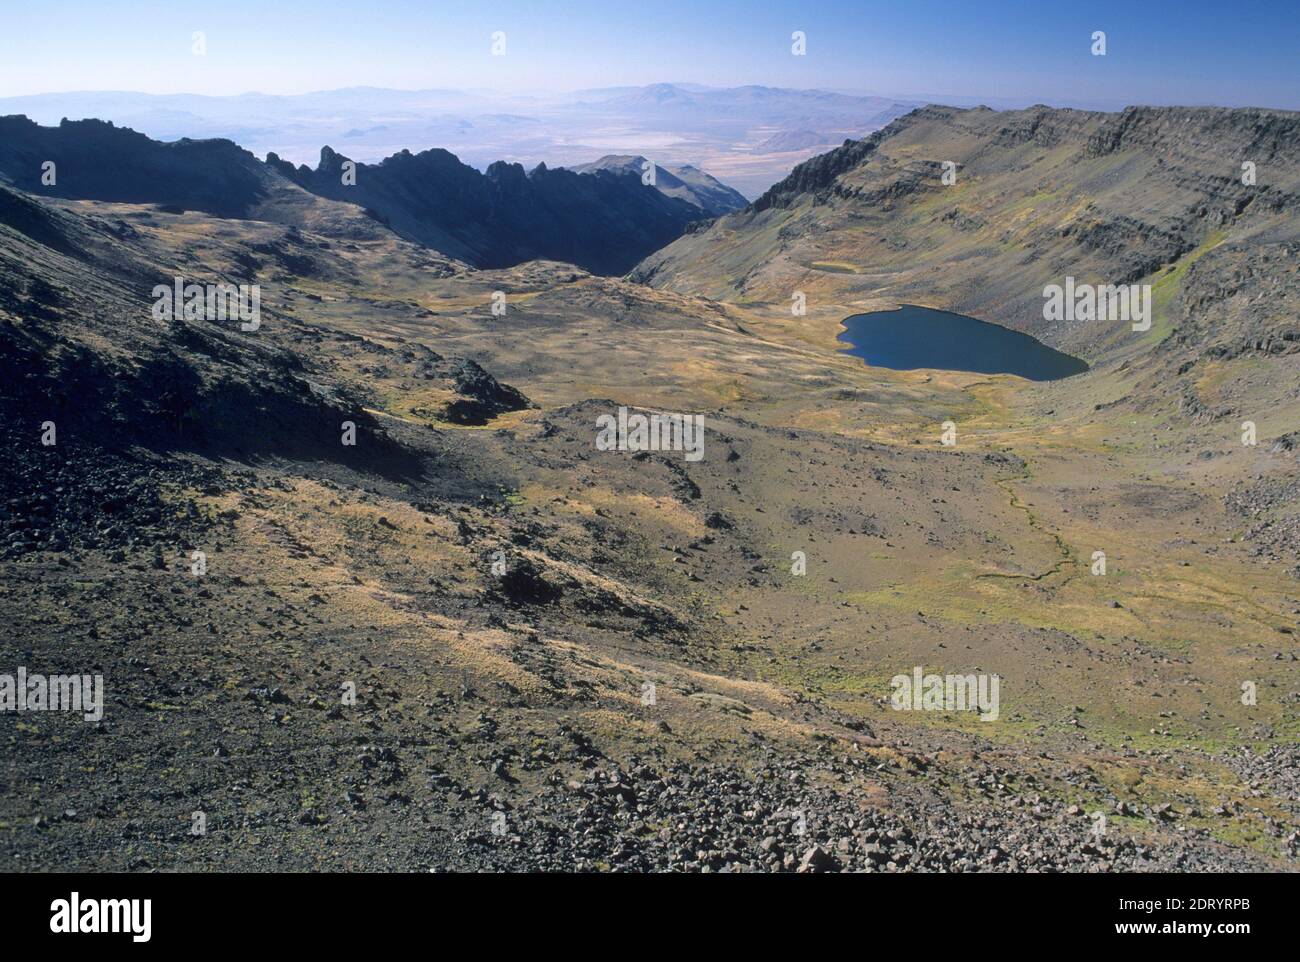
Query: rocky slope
{"x":1037,"y":194}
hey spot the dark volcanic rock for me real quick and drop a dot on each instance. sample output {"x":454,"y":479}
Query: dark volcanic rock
{"x":97,"y":161}
{"x":605,"y":221}
{"x":485,"y":396}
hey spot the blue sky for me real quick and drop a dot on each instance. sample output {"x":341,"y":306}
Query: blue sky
{"x":1158,"y":51}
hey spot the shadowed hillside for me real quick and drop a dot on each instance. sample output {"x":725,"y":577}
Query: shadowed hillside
{"x":605,"y":222}
{"x":99,"y":161}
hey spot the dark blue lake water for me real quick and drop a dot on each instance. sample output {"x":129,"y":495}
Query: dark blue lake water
{"x":914,"y":337}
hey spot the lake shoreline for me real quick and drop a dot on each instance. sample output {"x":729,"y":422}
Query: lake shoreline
{"x":927,"y":338}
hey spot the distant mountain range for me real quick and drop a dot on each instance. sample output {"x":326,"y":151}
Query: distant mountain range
{"x":604,"y":220}
{"x":794,"y":140}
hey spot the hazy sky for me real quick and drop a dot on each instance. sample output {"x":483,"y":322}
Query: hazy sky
{"x":1190,"y":51}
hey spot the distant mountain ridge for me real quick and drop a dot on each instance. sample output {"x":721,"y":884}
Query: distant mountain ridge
{"x":684,"y":182}
{"x":96,"y":160}
{"x":604,"y":221}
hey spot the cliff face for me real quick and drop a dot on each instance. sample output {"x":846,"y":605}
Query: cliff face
{"x":817,"y":174}
{"x":1192,"y":132}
